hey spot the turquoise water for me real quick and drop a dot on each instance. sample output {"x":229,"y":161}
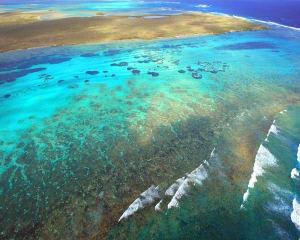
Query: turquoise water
{"x":89,"y":8}
{"x":84,"y":130}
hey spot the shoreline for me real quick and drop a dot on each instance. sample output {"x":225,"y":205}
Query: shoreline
{"x":20,"y":31}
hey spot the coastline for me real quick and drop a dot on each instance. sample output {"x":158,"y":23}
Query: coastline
{"x":27,"y":30}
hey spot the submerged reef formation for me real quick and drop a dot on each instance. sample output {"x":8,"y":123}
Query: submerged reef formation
{"x":70,"y":169}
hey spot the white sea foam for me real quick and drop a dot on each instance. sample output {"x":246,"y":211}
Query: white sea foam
{"x":283,"y":111}
{"x":275,"y":24}
{"x":280,"y":203}
{"x":177,"y":190}
{"x":279,"y":191}
{"x":295,"y":215}
{"x":202,"y":6}
{"x":145,"y":199}
{"x":195,"y":177}
{"x":158,"y":206}
{"x":259,"y":21}
{"x":263,"y":159}
{"x":298,"y":154}
{"x":174,"y":187}
{"x":279,"y":207}
{"x":295,"y":173}
{"x":182,"y":185}
{"x":273,"y":129}
{"x":280,"y":231}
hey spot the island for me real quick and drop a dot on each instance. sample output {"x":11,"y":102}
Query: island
{"x":22,"y":30}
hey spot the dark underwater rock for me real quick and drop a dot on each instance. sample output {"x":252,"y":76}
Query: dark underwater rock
{"x":248,"y":46}
{"x":196,"y":75}
{"x":92,"y":72}
{"x":58,"y":60}
{"x":111,"y":52}
{"x":87,"y":55}
{"x":135,"y":72}
{"x":181,"y":71}
{"x":121,"y":64}
{"x":12,"y":76}
{"x":154,"y":74}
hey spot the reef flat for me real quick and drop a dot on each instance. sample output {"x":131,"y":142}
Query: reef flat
{"x":30,"y":30}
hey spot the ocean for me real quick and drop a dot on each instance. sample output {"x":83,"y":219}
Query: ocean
{"x":281,"y":12}
{"x":191,"y":138}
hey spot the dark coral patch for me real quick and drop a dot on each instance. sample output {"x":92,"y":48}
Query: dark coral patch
{"x":87,"y":55}
{"x":248,"y":46}
{"x":144,"y":61}
{"x":92,"y":72}
{"x":60,"y":81}
{"x":121,"y":64}
{"x":154,"y":74}
{"x":135,"y":71}
{"x":214,"y":71}
{"x":7,"y":95}
{"x":12,"y":76}
{"x":58,"y":60}
{"x":45,"y":77}
{"x":181,"y":71}
{"x":171,"y":46}
{"x":111,"y":52}
{"x":190,"y":69}
{"x":196,"y":75}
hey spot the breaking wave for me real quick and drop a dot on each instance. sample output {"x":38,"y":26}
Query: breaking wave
{"x":295,"y":173}
{"x":195,"y":177}
{"x":177,"y":190}
{"x":146,"y":198}
{"x":295,"y":215}
{"x":298,"y":154}
{"x":270,"y":23}
{"x":263,"y":159}
{"x":273,"y":129}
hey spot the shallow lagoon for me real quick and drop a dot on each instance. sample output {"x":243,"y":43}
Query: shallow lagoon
{"x":86,"y":129}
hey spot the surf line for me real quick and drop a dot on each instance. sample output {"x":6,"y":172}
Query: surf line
{"x":263,"y":159}
{"x":295,"y":173}
{"x":295,"y":215}
{"x":176,"y":191}
{"x":270,"y":23}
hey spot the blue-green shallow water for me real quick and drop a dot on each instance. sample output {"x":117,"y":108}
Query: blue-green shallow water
{"x":86,"y":129}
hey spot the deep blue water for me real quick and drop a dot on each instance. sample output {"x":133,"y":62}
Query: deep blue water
{"x":283,"y":12}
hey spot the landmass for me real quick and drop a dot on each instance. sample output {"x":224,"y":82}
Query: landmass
{"x":19,"y":30}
